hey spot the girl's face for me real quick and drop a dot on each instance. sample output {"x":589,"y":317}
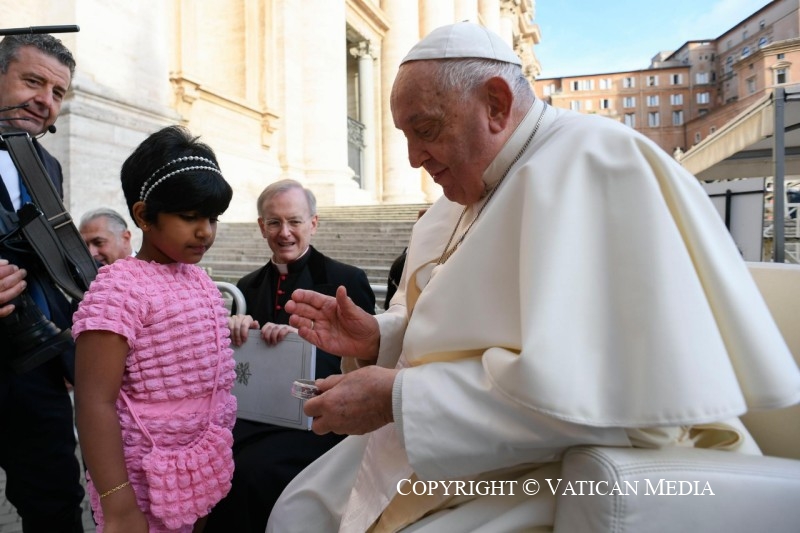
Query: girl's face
{"x":177,"y":237}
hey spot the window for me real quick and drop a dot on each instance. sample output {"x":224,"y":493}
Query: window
{"x":582,"y":85}
{"x":629,"y":101}
{"x":781,"y":76}
{"x":701,"y":77}
{"x":630,"y":119}
{"x":549,"y":89}
{"x":652,"y":119}
{"x":697,"y":137}
{"x":712,"y":129}
{"x":629,"y":82}
{"x":762,"y":42}
{"x":606,"y":83}
{"x":676,"y":99}
{"x":652,"y":100}
{"x":676,"y":79}
{"x":652,"y":81}
{"x":781,"y":56}
{"x":703,"y":98}
{"x":745,"y":51}
{"x":605,"y":103}
{"x":751,"y":85}
{"x":588,"y":104}
{"x":575,"y":105}
{"x":744,"y":35}
{"x":677,"y":118}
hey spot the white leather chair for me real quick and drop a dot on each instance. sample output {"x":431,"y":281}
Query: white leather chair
{"x":751,"y":493}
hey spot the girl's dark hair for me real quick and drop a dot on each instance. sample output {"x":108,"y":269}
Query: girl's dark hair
{"x":203,"y":190}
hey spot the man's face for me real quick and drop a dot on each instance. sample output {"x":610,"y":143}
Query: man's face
{"x":449,"y":138}
{"x":287,"y":225}
{"x":36,"y":79}
{"x":105,"y":245}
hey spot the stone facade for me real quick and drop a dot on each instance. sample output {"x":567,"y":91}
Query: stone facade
{"x":688,"y":94}
{"x":279,"y":88}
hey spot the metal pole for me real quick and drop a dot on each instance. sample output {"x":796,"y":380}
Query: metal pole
{"x":778,"y":154}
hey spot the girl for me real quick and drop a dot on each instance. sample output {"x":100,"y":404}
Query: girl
{"x":154,"y":368}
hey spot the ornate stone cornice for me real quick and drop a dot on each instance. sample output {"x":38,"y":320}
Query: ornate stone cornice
{"x":188,"y":91}
{"x":364,"y":49}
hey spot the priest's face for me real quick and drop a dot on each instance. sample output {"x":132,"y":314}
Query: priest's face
{"x":448,"y":136}
{"x":287,"y":224}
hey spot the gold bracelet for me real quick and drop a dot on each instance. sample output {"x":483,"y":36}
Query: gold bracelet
{"x":115,"y":489}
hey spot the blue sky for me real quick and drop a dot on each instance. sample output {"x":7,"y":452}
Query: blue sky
{"x":590,"y":36}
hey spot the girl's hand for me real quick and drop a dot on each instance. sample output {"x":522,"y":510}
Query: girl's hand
{"x":239,"y":326}
{"x":275,"y":333}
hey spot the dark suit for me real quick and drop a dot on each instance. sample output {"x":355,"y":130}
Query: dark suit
{"x":268,"y":457}
{"x":37,"y":447}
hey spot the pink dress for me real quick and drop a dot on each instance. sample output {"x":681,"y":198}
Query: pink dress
{"x":171,"y":316}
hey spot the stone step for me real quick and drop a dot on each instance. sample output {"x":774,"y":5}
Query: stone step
{"x":369,"y":237}
{"x":248,"y":265}
{"x":372,"y":212}
{"x":376,"y":275}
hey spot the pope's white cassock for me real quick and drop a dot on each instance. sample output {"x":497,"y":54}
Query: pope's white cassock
{"x":598,"y":299}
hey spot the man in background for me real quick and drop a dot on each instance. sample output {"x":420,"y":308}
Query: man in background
{"x":106,"y":234}
{"x":267,"y":457}
{"x":37,"y":446}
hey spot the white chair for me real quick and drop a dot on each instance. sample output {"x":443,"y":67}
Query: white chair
{"x":237,"y":298}
{"x":751,"y":493}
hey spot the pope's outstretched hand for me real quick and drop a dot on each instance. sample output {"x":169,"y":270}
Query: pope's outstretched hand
{"x":335,"y":325}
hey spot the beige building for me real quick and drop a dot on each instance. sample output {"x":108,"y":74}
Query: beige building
{"x":279,"y":88}
{"x":686,"y":95}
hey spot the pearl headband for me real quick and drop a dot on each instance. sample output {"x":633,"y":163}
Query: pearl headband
{"x":145,"y":190}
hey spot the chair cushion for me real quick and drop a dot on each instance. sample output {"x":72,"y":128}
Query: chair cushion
{"x":675,"y":489}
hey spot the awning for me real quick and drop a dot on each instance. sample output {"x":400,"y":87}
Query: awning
{"x":747,"y":147}
{"x":743,"y":147}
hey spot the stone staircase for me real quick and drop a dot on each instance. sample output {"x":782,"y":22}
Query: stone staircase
{"x":369,"y":237}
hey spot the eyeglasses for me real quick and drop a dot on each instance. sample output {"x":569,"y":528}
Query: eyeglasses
{"x":274,"y":225}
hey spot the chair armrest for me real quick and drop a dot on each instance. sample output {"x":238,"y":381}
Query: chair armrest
{"x":671,"y":490}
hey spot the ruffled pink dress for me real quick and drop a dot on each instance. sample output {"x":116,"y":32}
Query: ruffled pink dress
{"x":175,"y":322}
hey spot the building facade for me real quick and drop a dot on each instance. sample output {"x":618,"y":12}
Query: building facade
{"x":686,"y":95}
{"x":279,"y":88}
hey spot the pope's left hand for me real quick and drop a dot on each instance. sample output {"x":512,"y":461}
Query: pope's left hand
{"x":354,"y":403}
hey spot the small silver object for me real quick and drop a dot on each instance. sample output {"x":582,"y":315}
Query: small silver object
{"x":304,"y":389}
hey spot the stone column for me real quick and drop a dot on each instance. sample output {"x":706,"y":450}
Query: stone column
{"x":489,"y":11}
{"x":507,"y":18}
{"x":324,"y":103}
{"x":401,"y":183}
{"x":366,"y":55}
{"x":466,"y":10}
{"x":434,"y":13}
